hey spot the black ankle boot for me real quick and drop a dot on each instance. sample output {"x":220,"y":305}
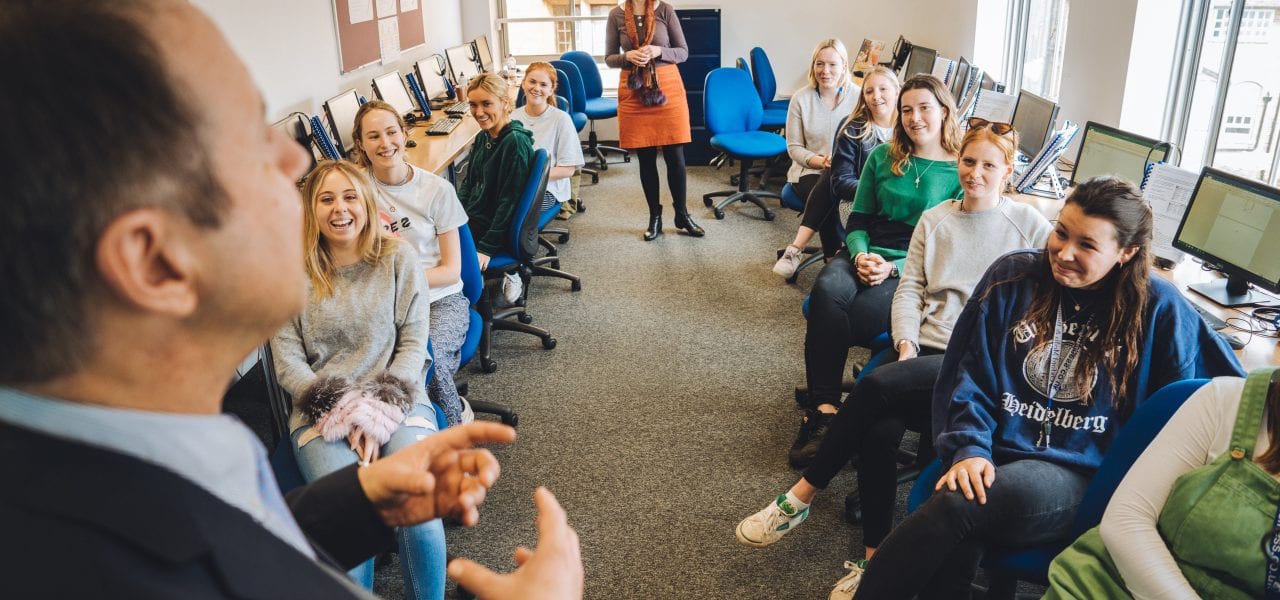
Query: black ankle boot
{"x":655,"y":228}
{"x":683,"y":221}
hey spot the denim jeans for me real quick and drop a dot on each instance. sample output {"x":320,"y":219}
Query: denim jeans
{"x":843,"y":312}
{"x":935,"y":552}
{"x":422,"y":547}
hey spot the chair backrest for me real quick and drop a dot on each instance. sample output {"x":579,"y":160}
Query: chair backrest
{"x":592,"y":86}
{"x":472,"y":278}
{"x":576,"y":94}
{"x":1134,"y":437}
{"x":524,"y":228}
{"x":766,"y":83}
{"x":742,"y":64}
{"x":561,"y":103}
{"x":729,"y":103}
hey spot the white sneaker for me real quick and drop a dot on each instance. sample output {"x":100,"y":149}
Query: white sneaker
{"x":790,"y":261}
{"x":512,"y":287}
{"x":769,"y":525}
{"x":848,"y":585}
{"x":468,"y":415}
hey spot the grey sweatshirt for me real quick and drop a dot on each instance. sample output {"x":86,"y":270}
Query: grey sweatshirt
{"x":950,"y":251}
{"x":376,"y":320}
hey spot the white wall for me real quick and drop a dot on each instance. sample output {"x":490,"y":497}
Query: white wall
{"x":789,"y":41}
{"x":292,"y":49}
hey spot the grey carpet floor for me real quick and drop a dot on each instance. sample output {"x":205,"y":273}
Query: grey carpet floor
{"x":664,"y":414}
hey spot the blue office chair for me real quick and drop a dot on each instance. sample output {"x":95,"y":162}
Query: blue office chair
{"x":473,"y":289}
{"x":573,"y":91}
{"x":733,"y":117}
{"x":516,"y":257}
{"x":1005,"y":567}
{"x":595,"y":105}
{"x":765,"y":82}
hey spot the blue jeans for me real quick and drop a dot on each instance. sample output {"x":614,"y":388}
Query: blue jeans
{"x":935,"y":552}
{"x":422,"y":547}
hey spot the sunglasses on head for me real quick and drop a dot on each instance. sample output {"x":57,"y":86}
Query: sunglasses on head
{"x":996,"y":128}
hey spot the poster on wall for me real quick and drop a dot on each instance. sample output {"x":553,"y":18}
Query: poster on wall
{"x":364,"y":40}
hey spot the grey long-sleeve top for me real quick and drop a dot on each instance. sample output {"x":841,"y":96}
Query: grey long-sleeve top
{"x":950,"y":251}
{"x":377,"y":319}
{"x":669,"y":36}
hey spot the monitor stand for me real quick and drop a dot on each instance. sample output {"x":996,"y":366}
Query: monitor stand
{"x":1228,"y":292}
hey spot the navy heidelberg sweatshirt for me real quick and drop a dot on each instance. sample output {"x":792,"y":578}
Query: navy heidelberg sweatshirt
{"x":991,"y":398}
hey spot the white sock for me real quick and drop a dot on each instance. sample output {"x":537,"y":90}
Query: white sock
{"x":794,"y":503}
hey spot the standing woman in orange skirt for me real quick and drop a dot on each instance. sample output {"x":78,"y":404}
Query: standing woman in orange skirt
{"x":644,"y":39}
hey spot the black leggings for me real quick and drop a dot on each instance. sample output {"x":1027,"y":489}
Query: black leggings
{"x":888,"y":400}
{"x":674,"y":156}
{"x":820,"y":212}
{"x":843,"y":312}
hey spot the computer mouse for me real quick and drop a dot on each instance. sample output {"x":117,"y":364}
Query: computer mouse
{"x":1234,"y":340}
{"x":410,"y":144}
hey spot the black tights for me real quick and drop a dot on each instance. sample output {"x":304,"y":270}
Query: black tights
{"x":674,"y":156}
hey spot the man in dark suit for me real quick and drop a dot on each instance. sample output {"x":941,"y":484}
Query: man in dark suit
{"x":151,"y":238}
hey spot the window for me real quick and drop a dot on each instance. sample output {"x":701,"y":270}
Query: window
{"x":1228,"y":107}
{"x":1034,"y":46}
{"x":533,"y":30}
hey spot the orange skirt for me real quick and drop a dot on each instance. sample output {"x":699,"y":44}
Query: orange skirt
{"x":641,"y":126}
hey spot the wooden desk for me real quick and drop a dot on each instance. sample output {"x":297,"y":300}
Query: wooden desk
{"x":1260,"y":351}
{"x":436,"y":152}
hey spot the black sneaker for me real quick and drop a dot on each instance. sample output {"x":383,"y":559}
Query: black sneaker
{"x":809,"y":438}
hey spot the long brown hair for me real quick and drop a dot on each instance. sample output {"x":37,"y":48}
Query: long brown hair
{"x":1125,"y":289}
{"x":372,"y":243}
{"x":1270,"y":460}
{"x":901,"y":147}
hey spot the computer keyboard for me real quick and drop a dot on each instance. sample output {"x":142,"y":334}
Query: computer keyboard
{"x":443,"y":126}
{"x":1211,"y":319}
{"x":457,"y":108}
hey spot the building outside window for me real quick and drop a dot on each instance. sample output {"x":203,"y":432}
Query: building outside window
{"x":542,"y":30}
{"x":1046,"y":31}
{"x":1231,"y":123}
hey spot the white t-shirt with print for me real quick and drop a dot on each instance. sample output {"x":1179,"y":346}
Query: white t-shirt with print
{"x":418,"y":212}
{"x":553,"y":131}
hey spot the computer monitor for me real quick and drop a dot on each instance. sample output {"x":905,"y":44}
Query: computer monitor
{"x":959,"y":76}
{"x":484,"y":54}
{"x":430,"y":72}
{"x":462,"y":66}
{"x":341,"y":111}
{"x":389,"y":88}
{"x":1110,"y":151}
{"x":989,"y":83}
{"x":920,"y":61}
{"x":295,"y":127}
{"x":901,"y":49}
{"x":1033,"y":117}
{"x":1234,"y":223}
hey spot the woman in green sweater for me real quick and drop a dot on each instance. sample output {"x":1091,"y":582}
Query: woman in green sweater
{"x":497,"y":173}
{"x":852,"y":296}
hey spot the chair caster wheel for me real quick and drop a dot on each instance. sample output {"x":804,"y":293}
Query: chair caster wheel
{"x":513,"y":420}
{"x":576,"y":286}
{"x":549,"y":343}
{"x":706,"y":200}
{"x":604,"y":166}
{"x":719,"y":215}
{"x":564,"y":238}
{"x":582,"y":207}
{"x":626,"y":158}
{"x":768,"y":216}
{"x":792,"y":279}
{"x":488,"y":366}
{"x":525,"y":318}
